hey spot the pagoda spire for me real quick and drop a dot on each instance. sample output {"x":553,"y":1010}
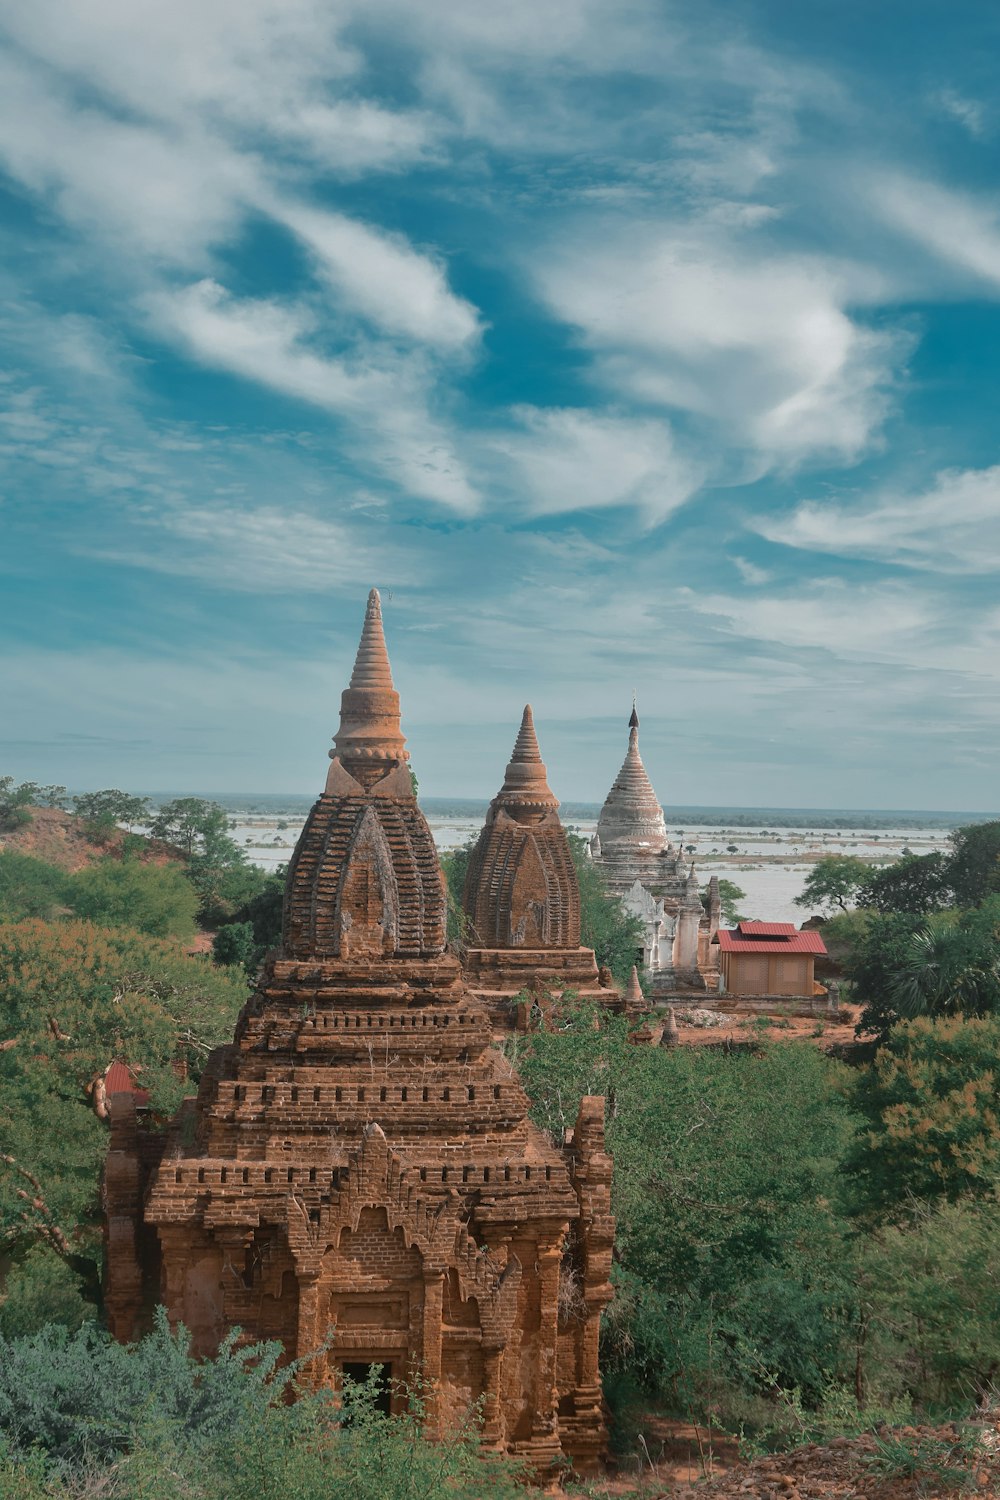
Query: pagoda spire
{"x":370,"y":743}
{"x":525,"y":783}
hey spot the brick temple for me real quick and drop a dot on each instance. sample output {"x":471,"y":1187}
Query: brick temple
{"x":522,"y":902}
{"x":358,"y":1175}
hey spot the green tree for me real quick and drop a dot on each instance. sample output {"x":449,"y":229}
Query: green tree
{"x":256,"y":925}
{"x":103,"y":812}
{"x":917,"y":883}
{"x":931,"y":1099}
{"x":974,"y":865}
{"x":81,"y":1413}
{"x":834,"y":883}
{"x":73,"y":999}
{"x":16,"y":801}
{"x":455,"y":863}
{"x":730,"y":896}
{"x":29,"y":887}
{"x":936,"y":1298}
{"x":614,"y":934}
{"x":730,"y":1257}
{"x":872,"y":963}
{"x":155,"y":899}
{"x":950,"y":967}
{"x":195,"y":827}
{"x":234,"y":944}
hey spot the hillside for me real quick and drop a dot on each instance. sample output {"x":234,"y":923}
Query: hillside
{"x":60,"y":838}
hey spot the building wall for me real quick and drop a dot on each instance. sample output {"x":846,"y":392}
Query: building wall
{"x":768,"y":974}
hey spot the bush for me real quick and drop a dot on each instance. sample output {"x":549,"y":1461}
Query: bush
{"x":151,"y":1423}
{"x":157,"y":900}
{"x":29,"y":887}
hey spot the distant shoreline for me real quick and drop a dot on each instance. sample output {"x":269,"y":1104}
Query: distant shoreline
{"x":298,"y":805}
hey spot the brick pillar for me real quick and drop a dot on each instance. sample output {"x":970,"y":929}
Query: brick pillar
{"x":544,"y":1433}
{"x":492,"y":1424}
{"x":431,"y":1341}
{"x":310,"y":1334}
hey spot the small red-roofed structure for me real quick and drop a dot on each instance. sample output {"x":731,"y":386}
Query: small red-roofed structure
{"x":118,"y":1080}
{"x":769,"y":958}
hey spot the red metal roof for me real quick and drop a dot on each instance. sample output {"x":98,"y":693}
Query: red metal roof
{"x":787,"y":940}
{"x":118,"y":1080}
{"x":766,"y":929}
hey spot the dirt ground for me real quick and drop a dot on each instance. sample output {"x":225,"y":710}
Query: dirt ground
{"x":682,"y":1462}
{"x":823,"y":1031}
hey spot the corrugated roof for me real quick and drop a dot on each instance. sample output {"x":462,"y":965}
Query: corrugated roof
{"x":118,"y":1080}
{"x":766,"y":929}
{"x":788,"y":940}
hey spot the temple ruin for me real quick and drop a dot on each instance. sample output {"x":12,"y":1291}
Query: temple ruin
{"x":651,"y":877}
{"x":357,"y":1175}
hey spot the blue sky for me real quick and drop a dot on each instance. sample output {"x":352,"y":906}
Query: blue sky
{"x":622,"y":345}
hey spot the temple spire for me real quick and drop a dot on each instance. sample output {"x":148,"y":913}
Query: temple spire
{"x":631,"y":816}
{"x":370,"y":742}
{"x":525,"y":782}
{"x":371,"y":665}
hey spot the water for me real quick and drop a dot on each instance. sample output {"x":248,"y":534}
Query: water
{"x":769,"y":859}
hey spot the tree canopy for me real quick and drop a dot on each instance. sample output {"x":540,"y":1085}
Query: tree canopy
{"x":74,"y":999}
{"x":834,"y":883}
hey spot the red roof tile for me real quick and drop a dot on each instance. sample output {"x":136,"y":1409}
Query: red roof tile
{"x":790,"y":940}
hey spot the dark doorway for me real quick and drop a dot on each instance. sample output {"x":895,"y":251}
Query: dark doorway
{"x":361,"y":1373}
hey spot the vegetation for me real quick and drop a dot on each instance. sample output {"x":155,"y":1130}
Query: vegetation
{"x":833,"y":883}
{"x":103,"y":812}
{"x":730,"y":896}
{"x":152,"y":1423}
{"x":794,"y":1237}
{"x":605,"y":925}
{"x":73,"y":999}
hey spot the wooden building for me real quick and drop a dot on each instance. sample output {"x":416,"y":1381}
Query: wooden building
{"x":769,"y":958}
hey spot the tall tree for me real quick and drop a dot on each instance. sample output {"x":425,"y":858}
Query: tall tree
{"x":917,"y":883}
{"x":974,"y":866}
{"x":833,"y":883}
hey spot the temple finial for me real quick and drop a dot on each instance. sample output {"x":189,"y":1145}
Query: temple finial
{"x":525,"y":781}
{"x":633,"y":722}
{"x":370,"y":742}
{"x":371,"y":665}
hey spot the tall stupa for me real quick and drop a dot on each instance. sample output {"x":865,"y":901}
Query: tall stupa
{"x":654,"y":881}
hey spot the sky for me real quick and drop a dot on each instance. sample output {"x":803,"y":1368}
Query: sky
{"x":625,"y":346}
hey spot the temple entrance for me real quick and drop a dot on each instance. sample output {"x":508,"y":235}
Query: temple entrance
{"x":361,"y":1372}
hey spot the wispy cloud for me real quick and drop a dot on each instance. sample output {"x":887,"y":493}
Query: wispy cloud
{"x":758,"y":343}
{"x":951,"y":527}
{"x":568,"y":460}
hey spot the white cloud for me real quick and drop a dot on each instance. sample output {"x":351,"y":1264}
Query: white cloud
{"x":877,"y":623}
{"x":261,"y":550}
{"x":750,"y":572}
{"x":961,"y":230}
{"x":267,"y":342}
{"x":568,"y":460}
{"x":952,"y":527}
{"x":970,"y":113}
{"x":264,"y":341}
{"x":385,"y":279}
{"x":759,"y":342}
